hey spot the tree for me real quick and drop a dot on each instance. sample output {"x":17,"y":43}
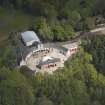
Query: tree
{"x":44,"y":30}
{"x":59,"y":32}
{"x":44,"y":101}
{"x":14,"y":89}
{"x":8,"y":58}
{"x":95,"y":46}
{"x":90,"y":23}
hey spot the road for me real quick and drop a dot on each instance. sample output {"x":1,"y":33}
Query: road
{"x":97,"y":31}
{"x":56,"y":45}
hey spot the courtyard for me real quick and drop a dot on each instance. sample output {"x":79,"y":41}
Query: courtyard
{"x":38,"y":56}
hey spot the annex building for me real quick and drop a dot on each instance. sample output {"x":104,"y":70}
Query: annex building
{"x":29,"y":38}
{"x":49,"y":62}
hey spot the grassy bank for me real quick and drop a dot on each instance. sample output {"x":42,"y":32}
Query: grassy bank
{"x":11,"y":20}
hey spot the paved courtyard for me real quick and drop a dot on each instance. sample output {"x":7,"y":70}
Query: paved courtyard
{"x":34,"y":59}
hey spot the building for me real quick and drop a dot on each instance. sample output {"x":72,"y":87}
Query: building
{"x":33,"y":53}
{"x":63,"y":50}
{"x":48,"y":63}
{"x":69,"y":49}
{"x":29,"y":38}
{"x":72,"y":47}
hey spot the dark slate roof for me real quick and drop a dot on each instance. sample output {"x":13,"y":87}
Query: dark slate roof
{"x":49,"y":61}
{"x":26,"y":51}
{"x":63,"y":48}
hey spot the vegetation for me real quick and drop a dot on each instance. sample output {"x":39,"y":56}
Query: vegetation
{"x":95,"y":46}
{"x":14,"y":88}
{"x":48,"y":18}
{"x":8,"y":57}
{"x":77,"y":84}
{"x":81,"y":82}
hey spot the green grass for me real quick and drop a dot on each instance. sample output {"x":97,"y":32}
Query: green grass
{"x":10,"y":21}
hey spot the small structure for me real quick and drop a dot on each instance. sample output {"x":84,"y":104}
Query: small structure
{"x":30,"y":38}
{"x":48,"y":63}
{"x":69,"y":49}
{"x":38,"y":53}
{"x":72,"y":47}
{"x":63,"y":50}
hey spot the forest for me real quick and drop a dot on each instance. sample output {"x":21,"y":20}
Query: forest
{"x":81,"y":81}
{"x":55,"y":20}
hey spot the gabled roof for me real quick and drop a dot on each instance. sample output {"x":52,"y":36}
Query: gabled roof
{"x":62,"y":48}
{"x":49,"y":61}
{"x":28,"y":36}
{"x":71,"y":45}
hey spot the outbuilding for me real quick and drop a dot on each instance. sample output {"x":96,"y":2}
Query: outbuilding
{"x":72,"y":48}
{"x":69,"y":49}
{"x":48,"y":63}
{"x":29,"y":38}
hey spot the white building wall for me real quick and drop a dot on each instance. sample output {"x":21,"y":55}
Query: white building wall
{"x":30,"y":43}
{"x":22,"y":63}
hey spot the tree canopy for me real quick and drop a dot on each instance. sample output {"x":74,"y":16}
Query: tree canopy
{"x":81,"y":81}
{"x":56,"y":19}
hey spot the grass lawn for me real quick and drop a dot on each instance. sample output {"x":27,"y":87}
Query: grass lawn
{"x":11,"y":20}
